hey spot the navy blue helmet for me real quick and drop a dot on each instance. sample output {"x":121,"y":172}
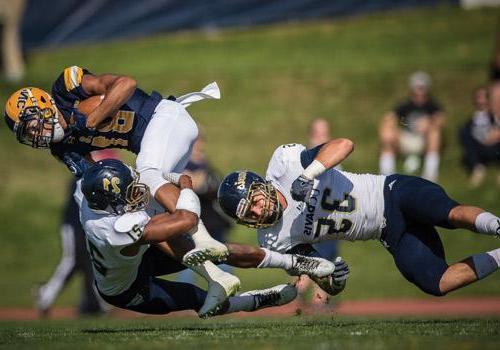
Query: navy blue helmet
{"x":240,"y":189}
{"x":114,"y":187}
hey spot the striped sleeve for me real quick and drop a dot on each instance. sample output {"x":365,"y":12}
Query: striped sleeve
{"x":67,"y":89}
{"x":72,"y":77}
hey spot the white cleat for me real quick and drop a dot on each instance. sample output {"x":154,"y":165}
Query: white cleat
{"x":311,"y":266}
{"x":275,"y":296}
{"x":210,"y":250}
{"x":217,"y":294}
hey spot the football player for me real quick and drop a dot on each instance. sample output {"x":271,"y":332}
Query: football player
{"x":119,"y":115}
{"x":303,"y":200}
{"x":129,"y":241}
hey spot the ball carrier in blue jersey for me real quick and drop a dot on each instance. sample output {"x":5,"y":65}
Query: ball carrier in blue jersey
{"x":160,"y":131}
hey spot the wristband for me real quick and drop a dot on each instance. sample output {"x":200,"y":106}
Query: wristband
{"x":315,"y":169}
{"x":188,"y":200}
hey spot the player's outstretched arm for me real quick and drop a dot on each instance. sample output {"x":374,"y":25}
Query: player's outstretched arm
{"x":246,"y":256}
{"x":117,"y":89}
{"x":329,"y":155}
{"x":164,"y":227}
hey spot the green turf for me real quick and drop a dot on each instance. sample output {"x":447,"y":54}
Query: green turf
{"x":274,"y":80}
{"x":288,"y":333}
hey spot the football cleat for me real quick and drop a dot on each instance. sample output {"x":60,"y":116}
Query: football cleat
{"x":210,"y":250}
{"x":311,"y":266}
{"x":217,"y":294}
{"x":275,"y":296}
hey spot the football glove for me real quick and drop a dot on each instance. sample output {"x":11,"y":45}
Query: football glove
{"x":80,"y":122}
{"x":341,"y":273}
{"x":336,"y":282}
{"x":301,"y":189}
{"x":76,"y":163}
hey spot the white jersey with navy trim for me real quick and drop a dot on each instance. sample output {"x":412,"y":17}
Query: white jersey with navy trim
{"x":343,"y":205}
{"x":114,"y":272}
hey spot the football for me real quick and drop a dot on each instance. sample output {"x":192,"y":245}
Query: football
{"x":88,"y":105}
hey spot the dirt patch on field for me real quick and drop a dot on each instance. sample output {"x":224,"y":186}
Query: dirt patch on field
{"x":404,"y":307}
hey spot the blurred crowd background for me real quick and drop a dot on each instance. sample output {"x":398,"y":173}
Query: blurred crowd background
{"x":415,"y":84}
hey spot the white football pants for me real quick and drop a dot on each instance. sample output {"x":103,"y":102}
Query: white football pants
{"x":166,"y":145}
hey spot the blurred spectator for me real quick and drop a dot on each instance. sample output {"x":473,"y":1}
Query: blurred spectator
{"x":74,"y":258}
{"x":11,"y":14}
{"x":205,"y":184}
{"x":319,"y":133}
{"x":480,"y":138}
{"x":413,"y":129}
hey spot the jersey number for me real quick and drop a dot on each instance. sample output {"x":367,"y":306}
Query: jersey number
{"x":115,"y":181}
{"x":347,"y":205}
{"x":336,"y":205}
{"x":121,"y":123}
{"x":94,"y":253}
{"x":345,"y":226}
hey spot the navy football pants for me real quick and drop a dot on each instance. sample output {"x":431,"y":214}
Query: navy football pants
{"x":413,"y":206}
{"x":151,"y":295}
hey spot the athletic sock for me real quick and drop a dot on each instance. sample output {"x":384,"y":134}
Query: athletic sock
{"x":486,"y":263}
{"x":276,"y":260}
{"x":431,"y":166}
{"x":387,"y":163}
{"x":488,"y":224}
{"x":241,"y":303}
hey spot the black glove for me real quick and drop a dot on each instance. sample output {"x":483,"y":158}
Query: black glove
{"x":301,"y":189}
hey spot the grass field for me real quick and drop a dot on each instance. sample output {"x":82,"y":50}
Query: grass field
{"x":311,"y":333}
{"x":274,"y":81}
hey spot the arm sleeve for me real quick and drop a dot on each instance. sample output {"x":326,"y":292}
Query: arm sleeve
{"x":308,"y":155}
{"x":67,"y":89}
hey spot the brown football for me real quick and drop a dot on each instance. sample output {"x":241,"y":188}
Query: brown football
{"x":88,"y":105}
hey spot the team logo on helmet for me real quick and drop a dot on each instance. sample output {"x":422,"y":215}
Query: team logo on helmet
{"x":33,"y":117}
{"x":114,"y":187}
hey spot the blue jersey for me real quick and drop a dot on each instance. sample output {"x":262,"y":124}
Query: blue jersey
{"x":123,"y":130}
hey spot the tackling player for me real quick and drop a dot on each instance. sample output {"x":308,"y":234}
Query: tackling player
{"x":129,"y":242}
{"x":160,"y":131}
{"x":303,"y":200}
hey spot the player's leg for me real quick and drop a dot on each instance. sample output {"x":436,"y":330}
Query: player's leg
{"x":432,"y":157}
{"x":48,"y":292}
{"x":420,"y":258}
{"x":164,"y":259}
{"x":166,"y":147}
{"x":475,"y":219}
{"x":388,"y":136}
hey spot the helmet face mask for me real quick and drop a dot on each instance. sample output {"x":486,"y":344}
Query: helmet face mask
{"x":36,"y":127}
{"x":240,"y":191}
{"x":137,"y":195}
{"x":270,"y":211}
{"x":33,"y":117}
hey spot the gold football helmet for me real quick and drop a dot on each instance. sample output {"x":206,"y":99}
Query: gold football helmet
{"x":33,"y":116}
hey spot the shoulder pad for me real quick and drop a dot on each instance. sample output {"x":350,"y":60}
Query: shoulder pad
{"x":131,"y":225}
